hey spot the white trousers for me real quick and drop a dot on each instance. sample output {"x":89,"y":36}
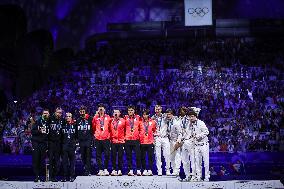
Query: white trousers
{"x":175,"y":158}
{"x":188,"y":158}
{"x":162,"y":143}
{"x":202,"y":153}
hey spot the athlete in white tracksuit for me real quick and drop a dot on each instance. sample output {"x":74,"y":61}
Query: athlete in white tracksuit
{"x":188,"y":147}
{"x":174,"y":134}
{"x":201,"y":150}
{"x":161,"y":140}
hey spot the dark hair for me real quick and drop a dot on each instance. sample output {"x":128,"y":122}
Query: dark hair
{"x":101,"y":105}
{"x":158,"y":105}
{"x":169,"y":110}
{"x":58,"y":108}
{"x":83,"y":108}
{"x":130,"y":107}
{"x":45,"y":109}
{"x":146,"y":111}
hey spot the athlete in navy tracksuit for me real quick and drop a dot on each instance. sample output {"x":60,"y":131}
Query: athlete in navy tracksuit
{"x":69,"y":132}
{"x":40,"y":131}
{"x":85,"y":138}
{"x":54,"y":143}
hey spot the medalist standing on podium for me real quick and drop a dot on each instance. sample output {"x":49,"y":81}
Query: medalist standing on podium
{"x":132,"y":139}
{"x":201,"y":150}
{"x":117,"y":129}
{"x":147,"y":142}
{"x":54,"y":143}
{"x":85,"y":138}
{"x":101,"y":128}
{"x":69,"y":131}
{"x":39,"y":142}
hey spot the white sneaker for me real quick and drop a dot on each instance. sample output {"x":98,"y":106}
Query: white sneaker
{"x":206,"y":179}
{"x":198,"y":179}
{"x":100,"y":173}
{"x":138,"y":173}
{"x":160,"y":173}
{"x":113,"y":173}
{"x":175,"y":173}
{"x":195,"y":179}
{"x":187,"y":179}
{"x":106,"y":173}
{"x":130,"y":173}
{"x":145,"y":173}
{"x":119,"y":173}
{"x":168,"y":173}
{"x":150,"y":173}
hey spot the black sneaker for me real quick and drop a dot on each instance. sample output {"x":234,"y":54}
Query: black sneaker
{"x":54,"y":180}
{"x":37,"y":179}
{"x":87,"y":173}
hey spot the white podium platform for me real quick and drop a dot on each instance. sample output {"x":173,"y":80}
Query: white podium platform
{"x":139,"y":182}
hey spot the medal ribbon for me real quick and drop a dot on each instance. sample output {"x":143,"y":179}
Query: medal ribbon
{"x":146,"y":127}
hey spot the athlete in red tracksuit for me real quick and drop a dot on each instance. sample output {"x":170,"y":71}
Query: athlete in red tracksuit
{"x":101,"y":128}
{"x":147,"y":142}
{"x":132,"y":139}
{"x":117,"y":132}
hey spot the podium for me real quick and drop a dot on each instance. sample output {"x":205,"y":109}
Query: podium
{"x":139,"y":182}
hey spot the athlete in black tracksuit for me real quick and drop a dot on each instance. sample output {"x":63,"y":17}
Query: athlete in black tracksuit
{"x":85,"y":138}
{"x":54,"y":143}
{"x":39,"y":142}
{"x":69,"y":135}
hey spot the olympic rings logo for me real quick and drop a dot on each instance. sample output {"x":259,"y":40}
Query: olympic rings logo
{"x":198,"y":11}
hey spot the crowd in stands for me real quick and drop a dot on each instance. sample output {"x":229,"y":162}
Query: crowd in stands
{"x":237,"y":83}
